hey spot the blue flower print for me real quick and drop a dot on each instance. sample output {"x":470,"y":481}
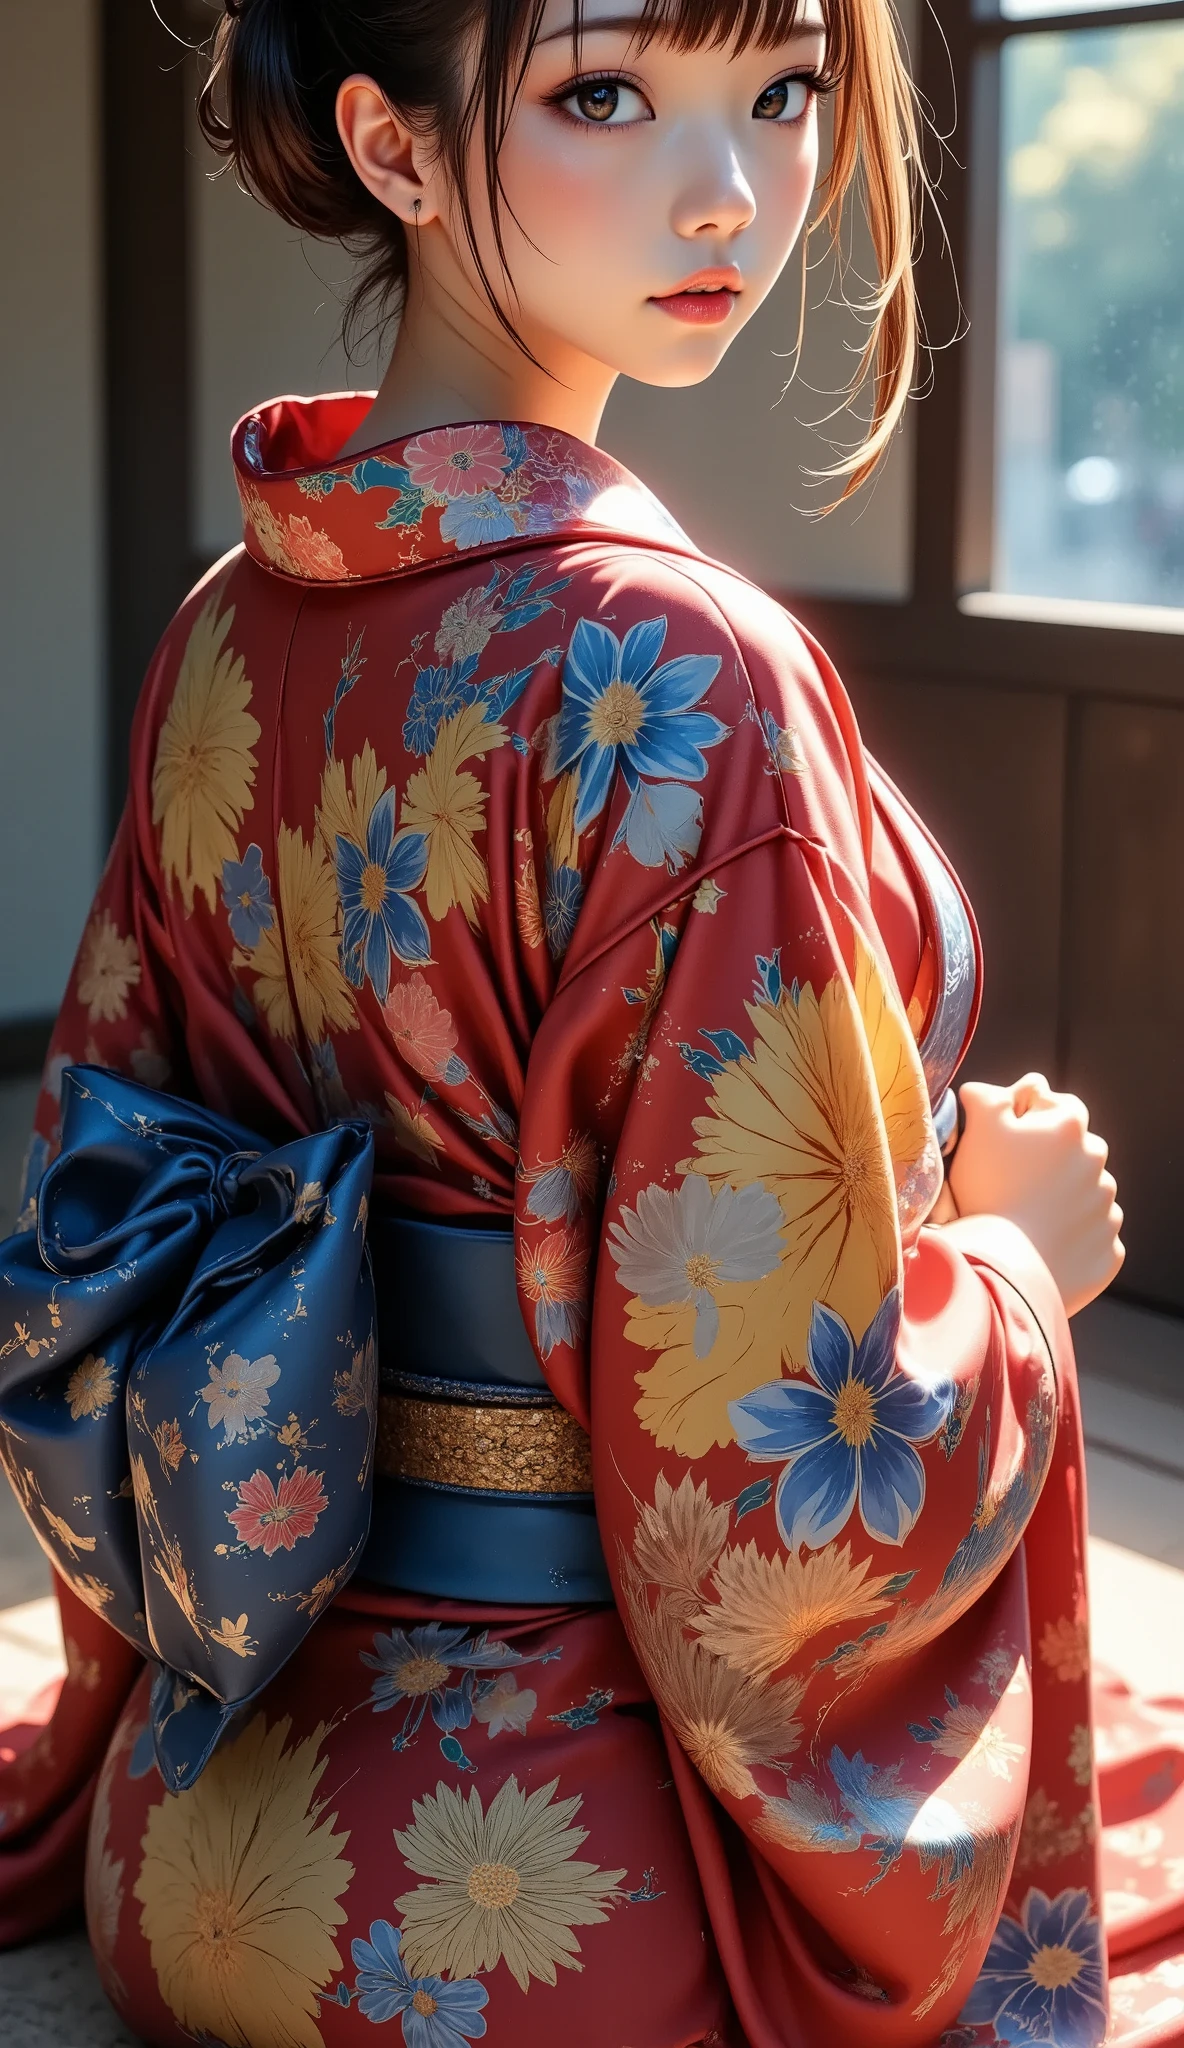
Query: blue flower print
{"x":1044,"y":1978}
{"x":434,"y":2014}
{"x":380,"y":917}
{"x":439,"y":693}
{"x":417,"y":1665}
{"x":246,"y":893}
{"x":561,"y":907}
{"x":849,"y":1437}
{"x":619,"y":709}
{"x":474,"y":522}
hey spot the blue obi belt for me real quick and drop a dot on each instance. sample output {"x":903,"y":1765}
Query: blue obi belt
{"x":224,"y":1388}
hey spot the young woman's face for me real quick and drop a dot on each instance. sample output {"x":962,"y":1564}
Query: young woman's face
{"x":651,"y":195}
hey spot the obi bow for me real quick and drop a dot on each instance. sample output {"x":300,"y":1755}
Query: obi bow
{"x":188,"y":1388}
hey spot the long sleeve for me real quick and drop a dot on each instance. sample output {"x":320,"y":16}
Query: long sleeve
{"x":122,"y":1009}
{"x":819,"y":1427}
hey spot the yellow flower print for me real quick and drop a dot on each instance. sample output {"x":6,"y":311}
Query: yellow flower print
{"x":68,"y":1538}
{"x":900,"y":1083}
{"x":528,"y":908}
{"x":303,"y":943}
{"x":108,"y":967}
{"x":970,"y":1736}
{"x":205,"y":764}
{"x":563,"y":840}
{"x":170,"y":1446}
{"x":90,"y":1388}
{"x":412,"y":1131}
{"x":447,"y":804}
{"x":93,"y":1593}
{"x":233,"y":1636}
{"x":678,"y":1539}
{"x":344,"y":809}
{"x":803,"y":1118}
{"x":505,"y":1884}
{"x":240,"y":1888}
{"x":769,"y":1607}
{"x":724,"y":1722}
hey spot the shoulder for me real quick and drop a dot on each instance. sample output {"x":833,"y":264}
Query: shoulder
{"x":771,"y":683}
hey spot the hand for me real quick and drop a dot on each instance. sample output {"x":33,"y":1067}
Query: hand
{"x":1029,"y":1154}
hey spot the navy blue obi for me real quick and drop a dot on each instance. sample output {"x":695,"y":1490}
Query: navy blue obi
{"x":225,"y":1387}
{"x":483,"y":1483}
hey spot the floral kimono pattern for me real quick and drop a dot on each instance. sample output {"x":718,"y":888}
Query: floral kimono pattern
{"x":469,"y":799}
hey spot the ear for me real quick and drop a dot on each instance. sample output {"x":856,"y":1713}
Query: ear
{"x":390,"y":158}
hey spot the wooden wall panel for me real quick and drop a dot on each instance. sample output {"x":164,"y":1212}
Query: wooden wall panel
{"x":1124,"y":970}
{"x":985,"y":768}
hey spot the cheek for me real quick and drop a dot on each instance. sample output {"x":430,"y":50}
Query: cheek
{"x":568,"y":193}
{"x":794,"y":184}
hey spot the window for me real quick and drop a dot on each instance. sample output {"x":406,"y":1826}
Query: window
{"x":1089,"y":415}
{"x":1073,"y":482}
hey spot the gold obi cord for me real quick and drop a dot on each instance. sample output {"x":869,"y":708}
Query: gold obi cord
{"x":491,"y":1440}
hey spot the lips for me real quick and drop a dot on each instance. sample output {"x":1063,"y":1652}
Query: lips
{"x":704,"y":299}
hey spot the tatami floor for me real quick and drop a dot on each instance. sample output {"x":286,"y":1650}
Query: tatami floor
{"x":1132,"y":1374}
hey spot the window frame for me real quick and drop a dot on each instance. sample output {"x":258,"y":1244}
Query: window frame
{"x":950,"y":625}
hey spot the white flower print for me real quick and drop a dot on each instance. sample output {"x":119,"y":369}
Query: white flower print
{"x":504,"y":1707}
{"x":237,"y":1394}
{"x":681,"y":1245}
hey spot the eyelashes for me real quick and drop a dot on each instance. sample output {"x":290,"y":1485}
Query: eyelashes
{"x":598,"y":98}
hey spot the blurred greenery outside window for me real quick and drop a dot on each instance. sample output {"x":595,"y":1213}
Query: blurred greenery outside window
{"x":1089,"y":421}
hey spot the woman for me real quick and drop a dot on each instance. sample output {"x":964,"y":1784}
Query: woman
{"x":468,"y":799}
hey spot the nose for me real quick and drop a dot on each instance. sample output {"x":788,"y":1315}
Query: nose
{"x":716,"y":198}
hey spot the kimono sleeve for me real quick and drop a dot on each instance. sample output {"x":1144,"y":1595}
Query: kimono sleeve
{"x":123,"y":1006}
{"x":819,"y":1426}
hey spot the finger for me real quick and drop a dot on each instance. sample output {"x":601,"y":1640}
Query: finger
{"x":1031,"y":1092}
{"x":1107,"y":1186}
{"x":983,"y":1095}
{"x":1074,"y":1110}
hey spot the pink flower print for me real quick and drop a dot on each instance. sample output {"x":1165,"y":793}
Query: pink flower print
{"x":267,"y":1517}
{"x":457,"y":462}
{"x":424,"y":1033}
{"x":313,"y":553}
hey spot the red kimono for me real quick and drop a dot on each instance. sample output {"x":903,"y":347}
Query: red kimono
{"x":470,"y":799}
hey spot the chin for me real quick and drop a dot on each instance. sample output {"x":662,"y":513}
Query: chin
{"x":680,"y":373}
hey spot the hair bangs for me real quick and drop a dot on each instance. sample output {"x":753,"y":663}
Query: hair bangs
{"x":717,"y":24}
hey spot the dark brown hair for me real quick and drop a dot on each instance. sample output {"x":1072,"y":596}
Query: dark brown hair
{"x":269,"y":105}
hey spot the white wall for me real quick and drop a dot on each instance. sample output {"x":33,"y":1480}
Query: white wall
{"x":732,"y":458}
{"x":51,"y":625}
{"x":266,"y":321}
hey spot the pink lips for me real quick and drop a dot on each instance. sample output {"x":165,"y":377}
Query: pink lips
{"x":703,"y":300}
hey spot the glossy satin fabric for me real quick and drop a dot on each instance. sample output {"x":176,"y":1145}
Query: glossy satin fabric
{"x":174,"y":1257}
{"x":470,"y":800}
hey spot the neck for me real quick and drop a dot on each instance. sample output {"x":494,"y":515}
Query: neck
{"x":453,"y":363}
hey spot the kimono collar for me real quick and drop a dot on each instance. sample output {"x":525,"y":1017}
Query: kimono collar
{"x":429,"y":496}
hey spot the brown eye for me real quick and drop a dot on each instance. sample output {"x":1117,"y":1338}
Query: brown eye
{"x":606,"y":103}
{"x":598,"y":102}
{"x":786,"y":101}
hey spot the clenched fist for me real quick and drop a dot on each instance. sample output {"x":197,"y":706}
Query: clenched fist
{"x":1029,"y":1154}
